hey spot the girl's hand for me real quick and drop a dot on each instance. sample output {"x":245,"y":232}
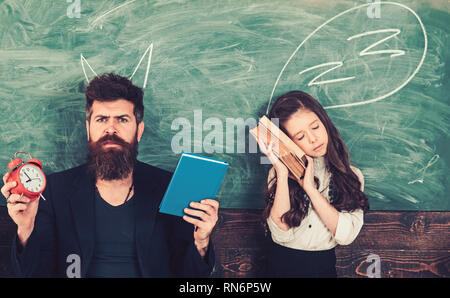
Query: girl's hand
{"x":307,"y":182}
{"x":279,"y":167}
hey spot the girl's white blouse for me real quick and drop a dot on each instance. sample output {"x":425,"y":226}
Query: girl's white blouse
{"x":312,"y":234}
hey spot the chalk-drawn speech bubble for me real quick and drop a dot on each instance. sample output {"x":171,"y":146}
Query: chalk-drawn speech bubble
{"x":355,"y":55}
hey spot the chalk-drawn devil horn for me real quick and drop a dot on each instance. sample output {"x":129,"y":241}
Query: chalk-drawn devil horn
{"x":149,"y":50}
{"x":83,"y":61}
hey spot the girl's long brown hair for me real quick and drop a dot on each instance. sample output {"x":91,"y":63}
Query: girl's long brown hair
{"x":347,"y":194}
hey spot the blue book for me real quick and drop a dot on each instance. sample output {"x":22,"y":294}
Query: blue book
{"x":195,"y":178}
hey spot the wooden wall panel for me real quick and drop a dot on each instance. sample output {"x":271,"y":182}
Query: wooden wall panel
{"x":408,"y":243}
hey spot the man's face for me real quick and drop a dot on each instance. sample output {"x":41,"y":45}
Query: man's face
{"x":113,"y":117}
{"x":113,"y":137}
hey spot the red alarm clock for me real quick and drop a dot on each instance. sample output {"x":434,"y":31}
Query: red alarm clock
{"x":28,"y":175}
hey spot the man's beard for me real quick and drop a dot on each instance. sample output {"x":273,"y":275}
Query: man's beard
{"x":112,"y":163}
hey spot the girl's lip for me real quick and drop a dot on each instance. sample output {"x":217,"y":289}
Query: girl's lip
{"x":318,"y":147}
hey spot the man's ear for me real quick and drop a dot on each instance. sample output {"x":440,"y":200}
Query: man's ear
{"x":140,"y":130}
{"x":87,"y":129}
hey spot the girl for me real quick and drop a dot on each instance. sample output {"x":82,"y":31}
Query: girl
{"x":309,"y":217}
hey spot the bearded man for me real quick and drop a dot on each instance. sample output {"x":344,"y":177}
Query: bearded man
{"x":101,"y":219}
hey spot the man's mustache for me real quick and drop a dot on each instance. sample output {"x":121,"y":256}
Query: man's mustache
{"x":112,"y":138}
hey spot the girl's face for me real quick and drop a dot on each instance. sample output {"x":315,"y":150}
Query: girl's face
{"x":308,"y":132}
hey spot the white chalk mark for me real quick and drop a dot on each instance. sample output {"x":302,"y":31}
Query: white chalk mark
{"x":411,"y":199}
{"x":83,"y":60}
{"x":337,"y":64}
{"x":228,"y":47}
{"x":150,"y":48}
{"x":365,"y":52}
{"x":111,"y":11}
{"x":432,"y":161}
{"x":337,"y":16}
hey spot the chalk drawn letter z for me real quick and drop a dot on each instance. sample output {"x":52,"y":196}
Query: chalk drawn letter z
{"x":336,"y":64}
{"x":366,"y":50}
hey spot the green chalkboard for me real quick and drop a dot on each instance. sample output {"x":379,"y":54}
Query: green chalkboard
{"x":209,"y":69}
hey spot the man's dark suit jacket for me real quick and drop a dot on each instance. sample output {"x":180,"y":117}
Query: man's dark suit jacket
{"x":65,"y":225}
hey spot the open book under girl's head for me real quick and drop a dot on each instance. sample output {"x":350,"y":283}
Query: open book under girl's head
{"x":304,"y":120}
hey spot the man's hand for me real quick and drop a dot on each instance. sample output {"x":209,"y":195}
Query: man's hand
{"x":207,"y":212}
{"x":20,"y":209}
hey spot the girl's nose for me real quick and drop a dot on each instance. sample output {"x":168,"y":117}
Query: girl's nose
{"x":311,"y":137}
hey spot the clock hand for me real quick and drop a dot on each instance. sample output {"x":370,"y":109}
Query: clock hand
{"x":29,"y":179}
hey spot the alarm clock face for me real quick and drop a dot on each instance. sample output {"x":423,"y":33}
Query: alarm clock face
{"x":32,"y":178}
